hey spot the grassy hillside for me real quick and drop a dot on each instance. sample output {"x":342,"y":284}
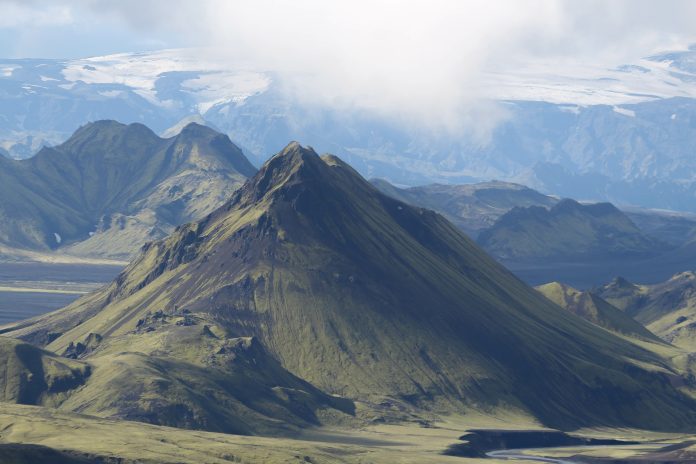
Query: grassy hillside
{"x":34,"y":376}
{"x":472,"y":207}
{"x":595,"y":309}
{"x":668,"y":309}
{"x":109,"y":178}
{"x":567,"y":230}
{"x":369,"y":298}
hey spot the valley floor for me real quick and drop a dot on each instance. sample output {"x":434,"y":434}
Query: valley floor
{"x":91,"y":439}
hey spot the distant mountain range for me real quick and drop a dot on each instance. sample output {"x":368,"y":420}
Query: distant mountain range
{"x":542,"y":238}
{"x":112,"y":187}
{"x":309,"y":290}
{"x":472,"y":207}
{"x":623,"y":135}
{"x":667,"y":308}
{"x":568,"y":230}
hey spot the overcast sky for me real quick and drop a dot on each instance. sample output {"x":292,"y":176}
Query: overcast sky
{"x":316,"y":28}
{"x":393,"y":55}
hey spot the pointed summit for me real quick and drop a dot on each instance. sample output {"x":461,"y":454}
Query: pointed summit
{"x":174,"y":130}
{"x":207,"y":147}
{"x":366,"y":297}
{"x":292,"y":158}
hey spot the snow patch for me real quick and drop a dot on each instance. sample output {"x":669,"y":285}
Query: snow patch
{"x":215,"y":83}
{"x":624,"y":111}
{"x":111,"y":93}
{"x":575,"y":109}
{"x":8,"y":70}
{"x":581,"y":84}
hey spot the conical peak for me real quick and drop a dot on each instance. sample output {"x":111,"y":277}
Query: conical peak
{"x":294,"y":153}
{"x":293,"y":161}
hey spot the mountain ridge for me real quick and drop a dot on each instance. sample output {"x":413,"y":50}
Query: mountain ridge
{"x":368,"y":298}
{"x":595,"y":309}
{"x":568,"y":229}
{"x":472,"y":207}
{"x":111,"y":186}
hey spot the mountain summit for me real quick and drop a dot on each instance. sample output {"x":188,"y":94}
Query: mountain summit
{"x":567,"y":230}
{"x":111,"y":187}
{"x":365,"y":297}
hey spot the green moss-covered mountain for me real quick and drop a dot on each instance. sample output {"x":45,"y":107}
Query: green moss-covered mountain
{"x":668,"y":308}
{"x":472,"y":207}
{"x":595,"y":309}
{"x":181,"y":374}
{"x":357,"y":294}
{"x":31,"y":375}
{"x":567,"y":230}
{"x":111,"y":187}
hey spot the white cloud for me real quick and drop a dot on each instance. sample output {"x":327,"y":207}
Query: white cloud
{"x":425,"y":60}
{"x":418,"y":61}
{"x":20,"y":14}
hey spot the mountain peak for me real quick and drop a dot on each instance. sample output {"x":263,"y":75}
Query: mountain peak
{"x":95,"y":135}
{"x":566,"y":205}
{"x":194,"y":129}
{"x":296,"y":153}
{"x":174,"y":130}
{"x":108,"y":169}
{"x":621,"y":282}
{"x":364,"y":297}
{"x":292,"y":162}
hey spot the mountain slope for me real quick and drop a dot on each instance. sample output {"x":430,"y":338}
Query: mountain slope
{"x":109,"y":178}
{"x":595,"y":309}
{"x":668,"y":308}
{"x":370,"y":298}
{"x":567,"y":230}
{"x":33,"y":376}
{"x":472,"y":207}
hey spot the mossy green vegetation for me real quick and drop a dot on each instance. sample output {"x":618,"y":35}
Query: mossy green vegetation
{"x":595,"y":309}
{"x":351,"y":296}
{"x":567,"y":230}
{"x":112,"y":187}
{"x":31,"y":375}
{"x":666,"y":308}
{"x":472,"y":207}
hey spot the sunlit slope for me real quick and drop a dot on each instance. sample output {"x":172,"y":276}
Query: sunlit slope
{"x":595,"y":309}
{"x":364,"y":296}
{"x":668,"y":308}
{"x":110,"y":179}
{"x":30,"y":375}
